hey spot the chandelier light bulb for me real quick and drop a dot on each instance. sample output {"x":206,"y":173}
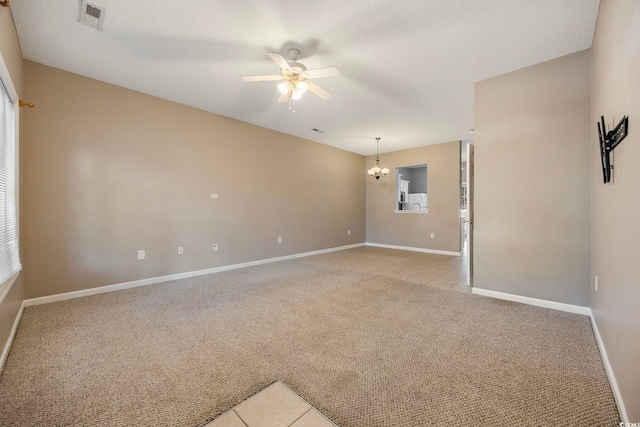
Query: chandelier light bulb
{"x":296,"y":95}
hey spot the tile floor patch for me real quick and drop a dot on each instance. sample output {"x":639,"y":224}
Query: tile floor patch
{"x":275,"y":406}
{"x":228,"y":419}
{"x":313,"y":418}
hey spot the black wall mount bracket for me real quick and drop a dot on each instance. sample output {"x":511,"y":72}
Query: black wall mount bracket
{"x":609,"y":141}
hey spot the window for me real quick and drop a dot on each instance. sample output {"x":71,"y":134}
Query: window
{"x":9,"y":253}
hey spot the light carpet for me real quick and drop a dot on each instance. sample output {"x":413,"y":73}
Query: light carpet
{"x":363,"y":349}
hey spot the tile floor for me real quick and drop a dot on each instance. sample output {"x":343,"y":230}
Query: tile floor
{"x":275,"y":406}
{"x":442,"y":271}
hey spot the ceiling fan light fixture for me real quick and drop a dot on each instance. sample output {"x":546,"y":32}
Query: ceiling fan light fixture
{"x":296,"y":95}
{"x":302,"y":86}
{"x":284,"y":88}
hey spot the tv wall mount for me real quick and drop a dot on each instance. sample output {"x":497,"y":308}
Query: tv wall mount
{"x":609,"y":141}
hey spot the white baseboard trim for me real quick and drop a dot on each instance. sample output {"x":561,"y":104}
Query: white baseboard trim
{"x":570,"y":308}
{"x":607,"y":367}
{"x":185,"y":275}
{"x":407,"y":248}
{"x":12,"y":335}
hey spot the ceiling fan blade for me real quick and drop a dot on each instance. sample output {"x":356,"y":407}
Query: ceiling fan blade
{"x":279,"y":59}
{"x":319,"y":91}
{"x":284,"y":98}
{"x":323,"y":72}
{"x":261,"y":78}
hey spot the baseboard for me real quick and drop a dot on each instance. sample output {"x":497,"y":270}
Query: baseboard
{"x":570,"y":309}
{"x":407,"y":248}
{"x":607,"y":367}
{"x":7,"y":345}
{"x":178,"y":276}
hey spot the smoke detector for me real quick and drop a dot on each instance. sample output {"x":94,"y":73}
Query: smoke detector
{"x":91,"y":15}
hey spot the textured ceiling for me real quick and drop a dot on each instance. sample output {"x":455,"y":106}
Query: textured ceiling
{"x":407,"y":68}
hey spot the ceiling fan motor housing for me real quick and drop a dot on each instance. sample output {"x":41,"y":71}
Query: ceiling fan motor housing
{"x":296,"y":72}
{"x":294,"y":54}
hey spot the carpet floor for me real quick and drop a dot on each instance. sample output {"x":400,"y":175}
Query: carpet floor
{"x":363,"y":349}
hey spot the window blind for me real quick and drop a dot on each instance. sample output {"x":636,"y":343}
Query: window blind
{"x":9,"y":252}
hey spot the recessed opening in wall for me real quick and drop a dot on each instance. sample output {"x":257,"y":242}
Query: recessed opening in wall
{"x":411,"y":189}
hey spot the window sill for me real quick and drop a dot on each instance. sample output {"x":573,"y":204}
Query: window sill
{"x":411,"y":212}
{"x":4,"y":288}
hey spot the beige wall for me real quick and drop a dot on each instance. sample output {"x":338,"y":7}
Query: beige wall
{"x":532,"y":178}
{"x":413,"y":230}
{"x":10,"y":48}
{"x":109,"y":171}
{"x":615,"y":229}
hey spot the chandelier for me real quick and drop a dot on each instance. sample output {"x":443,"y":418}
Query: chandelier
{"x":375,"y":171}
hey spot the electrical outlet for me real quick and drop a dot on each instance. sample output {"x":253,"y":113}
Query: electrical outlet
{"x":433,"y":235}
{"x":279,"y":239}
{"x":348,"y":232}
{"x":214,"y":196}
{"x":141,"y":254}
{"x":215,"y":247}
{"x":180,"y":250}
{"x":596,"y":283}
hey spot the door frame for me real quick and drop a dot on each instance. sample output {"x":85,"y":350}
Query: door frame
{"x":470,"y":213}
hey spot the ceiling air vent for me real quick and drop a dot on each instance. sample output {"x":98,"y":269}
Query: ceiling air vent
{"x":91,"y":15}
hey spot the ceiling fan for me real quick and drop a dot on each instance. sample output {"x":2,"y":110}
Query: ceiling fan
{"x":296,"y":78}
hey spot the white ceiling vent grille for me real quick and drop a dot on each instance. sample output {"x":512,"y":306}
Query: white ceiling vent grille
{"x":91,"y":15}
